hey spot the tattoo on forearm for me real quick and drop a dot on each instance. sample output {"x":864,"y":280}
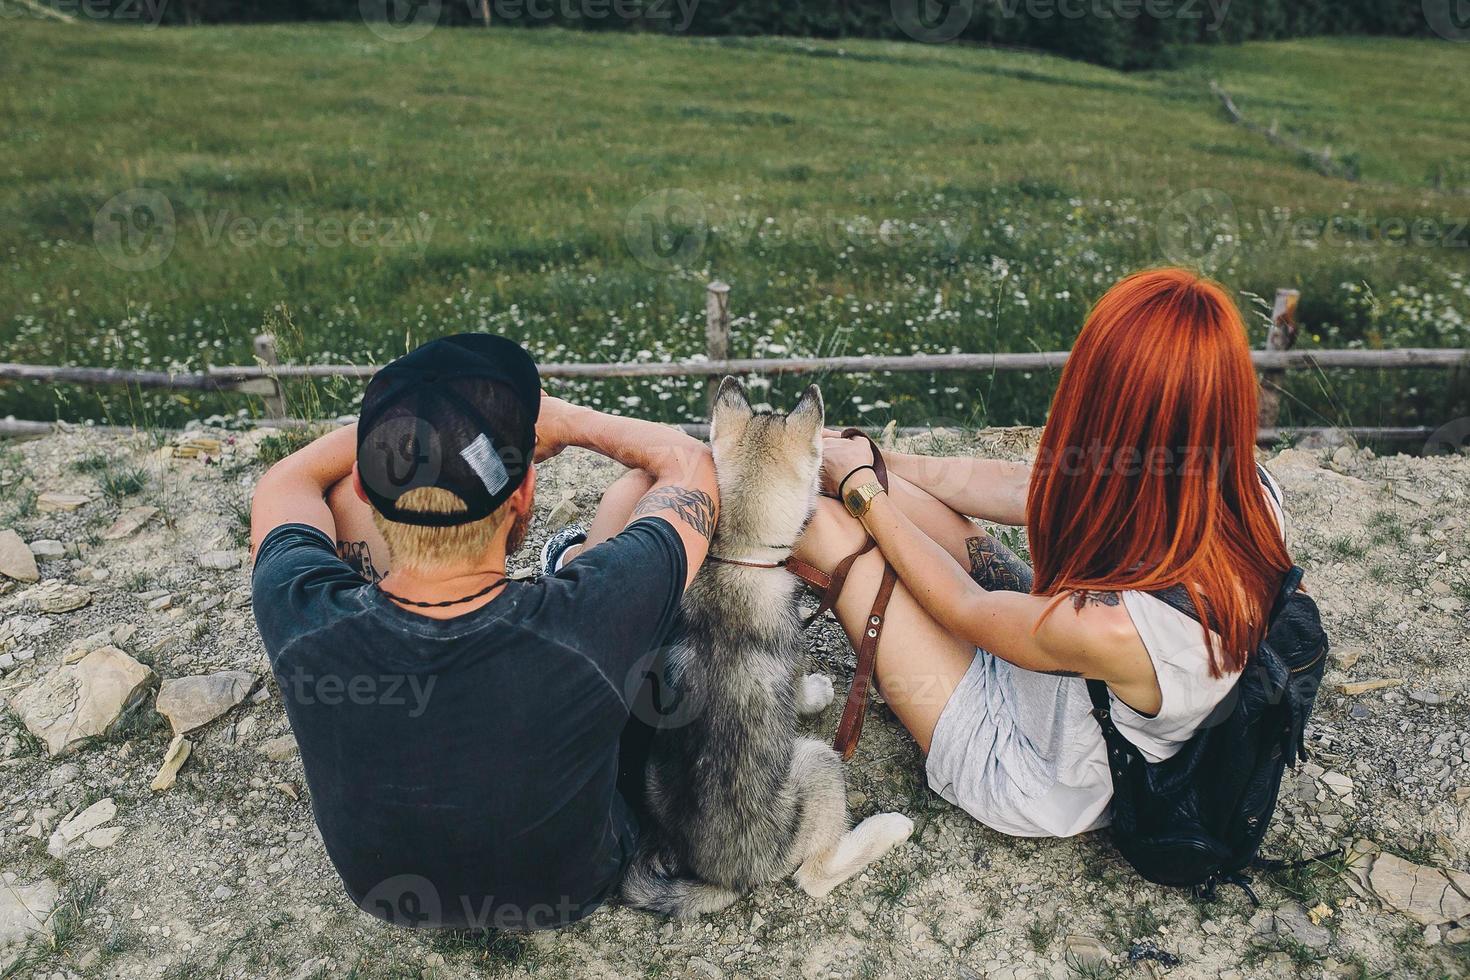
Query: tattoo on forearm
{"x":360,"y":557}
{"x":694,"y":507}
{"x":995,"y":567}
{"x":1093,"y":598}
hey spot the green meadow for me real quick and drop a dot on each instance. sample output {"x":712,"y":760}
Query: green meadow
{"x":165,"y":194}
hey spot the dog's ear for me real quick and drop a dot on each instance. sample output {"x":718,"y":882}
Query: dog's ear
{"x":805,"y":420}
{"x":731,"y":410}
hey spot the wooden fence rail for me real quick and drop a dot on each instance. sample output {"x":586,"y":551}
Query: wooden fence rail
{"x":264,"y":378}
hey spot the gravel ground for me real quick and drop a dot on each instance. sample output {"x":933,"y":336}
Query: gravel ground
{"x":223,"y":875}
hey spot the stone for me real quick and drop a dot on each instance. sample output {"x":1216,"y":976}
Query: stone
{"x":1347,"y":657}
{"x":219,"y":561}
{"x":131,"y":522}
{"x":565,"y":512}
{"x":223,"y":893}
{"x":192,"y":702}
{"x":103,"y":837}
{"x":48,"y":548}
{"x":1424,"y":894}
{"x":48,"y":502}
{"x":173,"y":761}
{"x":59,"y":597}
{"x":1338,"y":783}
{"x":78,"y":701}
{"x":1293,"y":922}
{"x":16,"y":560}
{"x":1363,"y":687}
{"x":25,"y":910}
{"x":123,"y":633}
{"x":77,"y":825}
{"x":80,"y":647}
{"x":280,"y":748}
{"x":1458,"y":936}
{"x":160,"y":602}
{"x":1430,"y":698}
{"x":1087,"y":953}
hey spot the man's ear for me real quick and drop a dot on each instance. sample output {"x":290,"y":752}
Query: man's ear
{"x":357,"y":486}
{"x":525,"y":494}
{"x":731,"y":410}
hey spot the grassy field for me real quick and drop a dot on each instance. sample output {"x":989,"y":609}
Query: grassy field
{"x":165,"y":193}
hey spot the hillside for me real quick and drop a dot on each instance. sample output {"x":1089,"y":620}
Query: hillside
{"x":139,"y":545}
{"x":165,"y":193}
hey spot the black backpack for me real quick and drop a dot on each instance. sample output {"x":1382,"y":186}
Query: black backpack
{"x":1197,"y":818}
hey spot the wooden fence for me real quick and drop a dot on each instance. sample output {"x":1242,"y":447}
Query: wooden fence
{"x":264,"y":378}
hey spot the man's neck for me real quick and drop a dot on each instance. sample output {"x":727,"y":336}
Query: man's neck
{"x":447,"y":583}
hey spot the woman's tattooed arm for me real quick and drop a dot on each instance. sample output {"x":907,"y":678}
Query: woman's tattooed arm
{"x":996,"y":567}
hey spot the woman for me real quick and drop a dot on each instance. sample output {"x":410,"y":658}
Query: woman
{"x":1145,"y":482}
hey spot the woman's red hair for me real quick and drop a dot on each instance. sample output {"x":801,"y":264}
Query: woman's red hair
{"x":1146,"y":475}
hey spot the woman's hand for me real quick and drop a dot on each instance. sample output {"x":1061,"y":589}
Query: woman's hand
{"x":840,"y":457}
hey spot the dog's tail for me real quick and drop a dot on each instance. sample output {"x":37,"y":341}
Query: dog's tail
{"x":649,"y":885}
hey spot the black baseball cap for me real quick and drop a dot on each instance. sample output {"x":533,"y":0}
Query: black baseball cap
{"x":459,"y":414}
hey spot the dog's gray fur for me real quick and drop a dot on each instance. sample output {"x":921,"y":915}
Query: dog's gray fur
{"x":738,"y":797}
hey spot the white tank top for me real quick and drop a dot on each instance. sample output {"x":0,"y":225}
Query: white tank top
{"x":1053,"y":777}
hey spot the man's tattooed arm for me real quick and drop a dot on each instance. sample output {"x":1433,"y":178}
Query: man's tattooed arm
{"x":360,"y":557}
{"x":694,"y":507}
{"x":995,"y":567}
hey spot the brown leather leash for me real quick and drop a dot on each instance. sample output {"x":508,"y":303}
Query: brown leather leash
{"x":850,"y":728}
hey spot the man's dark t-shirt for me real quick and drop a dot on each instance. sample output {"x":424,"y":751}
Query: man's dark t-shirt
{"x":463,"y":772}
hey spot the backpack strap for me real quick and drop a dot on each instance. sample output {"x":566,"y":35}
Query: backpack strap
{"x":1119,"y":748}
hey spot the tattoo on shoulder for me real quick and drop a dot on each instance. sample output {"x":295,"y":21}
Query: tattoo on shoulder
{"x":1061,"y":673}
{"x":694,"y":507}
{"x":360,"y":558}
{"x":1083,"y":599}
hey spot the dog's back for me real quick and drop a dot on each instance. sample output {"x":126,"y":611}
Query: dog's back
{"x":739,"y":798}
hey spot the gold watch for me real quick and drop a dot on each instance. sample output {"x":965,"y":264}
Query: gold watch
{"x":859,"y":500}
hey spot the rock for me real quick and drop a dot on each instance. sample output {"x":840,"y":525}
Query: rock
{"x":48,"y":548}
{"x":16,"y":560}
{"x":173,"y":761}
{"x":78,"y":825}
{"x":1347,"y":657}
{"x":219,"y":561}
{"x":1431,"y":698}
{"x":1457,"y":936}
{"x":1462,"y":794}
{"x":1431,"y":935}
{"x":78,"y":701}
{"x":160,"y":602}
{"x":191,"y":702}
{"x":1291,"y":921}
{"x":1338,"y":783}
{"x":1424,"y":894}
{"x":281,"y":748}
{"x":1363,"y":687}
{"x":131,"y":522}
{"x":80,"y":647}
{"x":222,"y":894}
{"x":59,"y":597}
{"x":25,"y":910}
{"x":565,"y":512}
{"x":1087,"y":953}
{"x":103,"y":837}
{"x":123,"y":633}
{"x":47,"y":502}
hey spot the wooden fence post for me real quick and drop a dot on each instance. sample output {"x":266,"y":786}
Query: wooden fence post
{"x":716,"y":335}
{"x":265,"y":353}
{"x":1282,"y":336}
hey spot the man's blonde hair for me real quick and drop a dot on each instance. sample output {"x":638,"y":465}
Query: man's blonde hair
{"x":423,"y":548}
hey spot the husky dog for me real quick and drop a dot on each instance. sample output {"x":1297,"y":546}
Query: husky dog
{"x":738,"y":797}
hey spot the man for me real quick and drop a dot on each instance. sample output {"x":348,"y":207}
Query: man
{"x":462,"y":734}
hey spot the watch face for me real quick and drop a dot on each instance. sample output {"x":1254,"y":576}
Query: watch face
{"x":854,"y":500}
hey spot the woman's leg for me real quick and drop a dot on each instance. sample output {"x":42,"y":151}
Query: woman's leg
{"x":919,"y":665}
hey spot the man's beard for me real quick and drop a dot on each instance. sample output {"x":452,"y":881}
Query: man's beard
{"x":518,"y":531}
